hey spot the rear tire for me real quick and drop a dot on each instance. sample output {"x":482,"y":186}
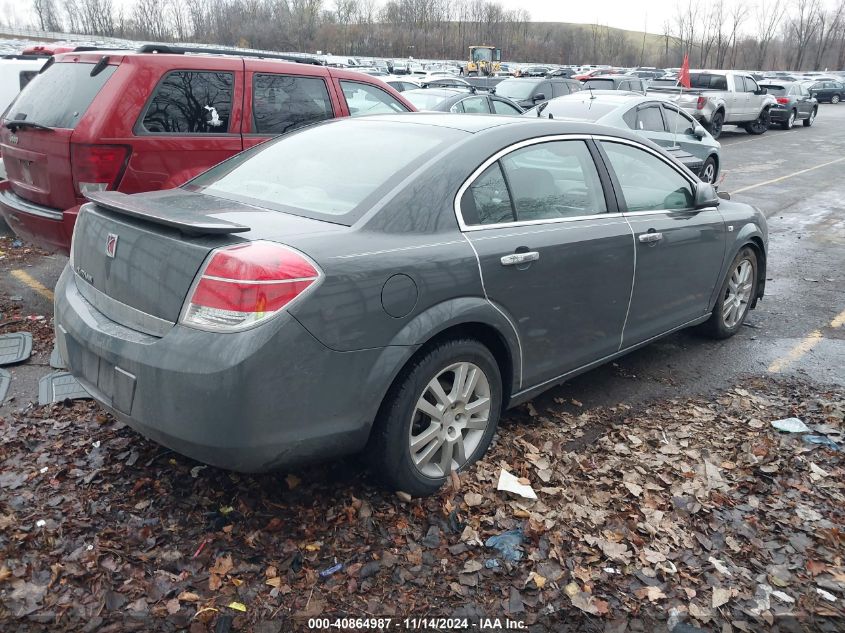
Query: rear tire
{"x":835,"y":99}
{"x":421,"y":427}
{"x":735,"y":296}
{"x":790,"y":121}
{"x":809,"y":121}
{"x":716,"y":124}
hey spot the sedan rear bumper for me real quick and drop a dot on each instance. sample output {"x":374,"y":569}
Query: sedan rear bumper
{"x":250,"y":401}
{"x":45,"y":227}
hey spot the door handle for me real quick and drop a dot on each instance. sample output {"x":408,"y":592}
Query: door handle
{"x":520,"y":258}
{"x":649,"y":238}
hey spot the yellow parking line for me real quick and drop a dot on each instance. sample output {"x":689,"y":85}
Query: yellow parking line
{"x":33,"y":283}
{"x":808,"y":343}
{"x":792,"y":175}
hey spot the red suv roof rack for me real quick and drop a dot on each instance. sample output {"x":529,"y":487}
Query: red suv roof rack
{"x":167,"y":49}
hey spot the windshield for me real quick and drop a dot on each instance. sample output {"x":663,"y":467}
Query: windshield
{"x":481,"y":54}
{"x":516,"y":89}
{"x":331,"y":171}
{"x":60,"y":96}
{"x":425,"y":99}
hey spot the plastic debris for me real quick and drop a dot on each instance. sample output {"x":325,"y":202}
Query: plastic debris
{"x":826,"y":595}
{"x":510,"y":483}
{"x":790,"y":425}
{"x":17,"y":244}
{"x":5,"y":381}
{"x":44,"y":470}
{"x":56,"y":361}
{"x":331,"y":570}
{"x":15,"y":347}
{"x":40,"y":523}
{"x":195,"y":471}
{"x":491,"y":563}
{"x":823,"y":440}
{"x":59,"y":386}
{"x":783,"y":597}
{"x":96,"y":444}
{"x":507,"y":544}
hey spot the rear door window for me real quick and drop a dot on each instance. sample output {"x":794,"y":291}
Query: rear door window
{"x":649,"y":119}
{"x":503,"y":107}
{"x":190,"y":102}
{"x":553,"y":180}
{"x":363,"y":99}
{"x":281,"y":103}
{"x":487,"y":200}
{"x":476,"y":105}
{"x":677,"y":122}
{"x":60,"y":95}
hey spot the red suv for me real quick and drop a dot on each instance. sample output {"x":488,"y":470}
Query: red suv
{"x":152,"y":119}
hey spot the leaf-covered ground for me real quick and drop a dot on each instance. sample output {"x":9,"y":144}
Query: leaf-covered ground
{"x":693,"y":511}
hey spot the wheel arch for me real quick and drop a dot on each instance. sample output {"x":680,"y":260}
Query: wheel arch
{"x":755,"y":242}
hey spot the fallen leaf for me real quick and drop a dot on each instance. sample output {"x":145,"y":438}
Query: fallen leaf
{"x":720,"y":597}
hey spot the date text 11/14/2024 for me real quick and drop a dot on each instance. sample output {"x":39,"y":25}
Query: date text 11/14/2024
{"x":415,"y":624}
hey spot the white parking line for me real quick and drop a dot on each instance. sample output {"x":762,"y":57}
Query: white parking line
{"x":787,"y":176}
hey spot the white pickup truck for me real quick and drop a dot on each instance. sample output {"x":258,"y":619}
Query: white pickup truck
{"x":723,"y":97}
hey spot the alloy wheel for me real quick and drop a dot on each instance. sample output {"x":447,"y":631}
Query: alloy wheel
{"x":449,"y":419}
{"x":709,"y":173}
{"x":738,"y":294}
{"x":791,"y":122}
{"x":834,"y":99}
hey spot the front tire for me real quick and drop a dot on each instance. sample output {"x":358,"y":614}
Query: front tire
{"x":812,"y":118}
{"x":760,"y":124}
{"x":709,"y":171}
{"x":835,"y":99}
{"x":440,"y":415}
{"x":735,"y":297}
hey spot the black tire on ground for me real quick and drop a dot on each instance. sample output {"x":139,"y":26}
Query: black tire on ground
{"x":389,"y":451}
{"x":760,"y":124}
{"x":809,"y":122}
{"x":790,"y":121}
{"x":715,"y":326}
{"x":716,"y":123}
{"x":835,"y":99}
{"x":709,"y":171}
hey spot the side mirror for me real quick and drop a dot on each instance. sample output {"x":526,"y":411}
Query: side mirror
{"x":699,"y":132}
{"x":705,"y":196}
{"x":539,"y":97}
{"x":724,"y":195}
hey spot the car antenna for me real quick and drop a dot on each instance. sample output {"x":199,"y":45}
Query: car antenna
{"x":592,"y":96}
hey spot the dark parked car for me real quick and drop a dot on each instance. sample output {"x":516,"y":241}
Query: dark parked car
{"x":393,"y":294}
{"x":615,"y":82}
{"x":656,"y":119}
{"x":460,"y":101}
{"x":794,"y":104}
{"x":828,"y":91}
{"x":528,"y":92}
{"x":152,"y":119}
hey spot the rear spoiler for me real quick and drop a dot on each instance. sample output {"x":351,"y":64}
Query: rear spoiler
{"x":137,"y":207}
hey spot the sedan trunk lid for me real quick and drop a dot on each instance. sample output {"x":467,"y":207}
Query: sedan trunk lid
{"x":136,"y":257}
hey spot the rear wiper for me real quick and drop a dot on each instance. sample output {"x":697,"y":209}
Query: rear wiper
{"x":15,"y":124}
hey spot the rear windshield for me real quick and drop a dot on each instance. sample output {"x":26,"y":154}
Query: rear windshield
{"x":577,"y":109}
{"x":704,"y":80}
{"x":426,"y":99}
{"x":60,"y":95}
{"x":332,"y":171}
{"x":774,"y":90}
{"x":516,"y":89}
{"x":599,"y":84}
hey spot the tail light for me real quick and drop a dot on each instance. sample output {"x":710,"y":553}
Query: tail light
{"x":702,"y":101}
{"x":97,"y":167}
{"x":783,"y":100}
{"x":243,"y":285}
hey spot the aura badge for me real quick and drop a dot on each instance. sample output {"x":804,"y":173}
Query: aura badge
{"x":111,"y":245}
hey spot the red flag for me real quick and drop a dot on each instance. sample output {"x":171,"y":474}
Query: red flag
{"x":683,"y":75}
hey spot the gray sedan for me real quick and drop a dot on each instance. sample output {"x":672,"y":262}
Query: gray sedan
{"x":394,"y":294}
{"x":658,"y":120}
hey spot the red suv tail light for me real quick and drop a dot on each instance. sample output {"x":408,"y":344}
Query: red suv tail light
{"x":97,"y":167}
{"x":702,"y":101}
{"x":783,"y":100}
{"x":243,"y":285}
